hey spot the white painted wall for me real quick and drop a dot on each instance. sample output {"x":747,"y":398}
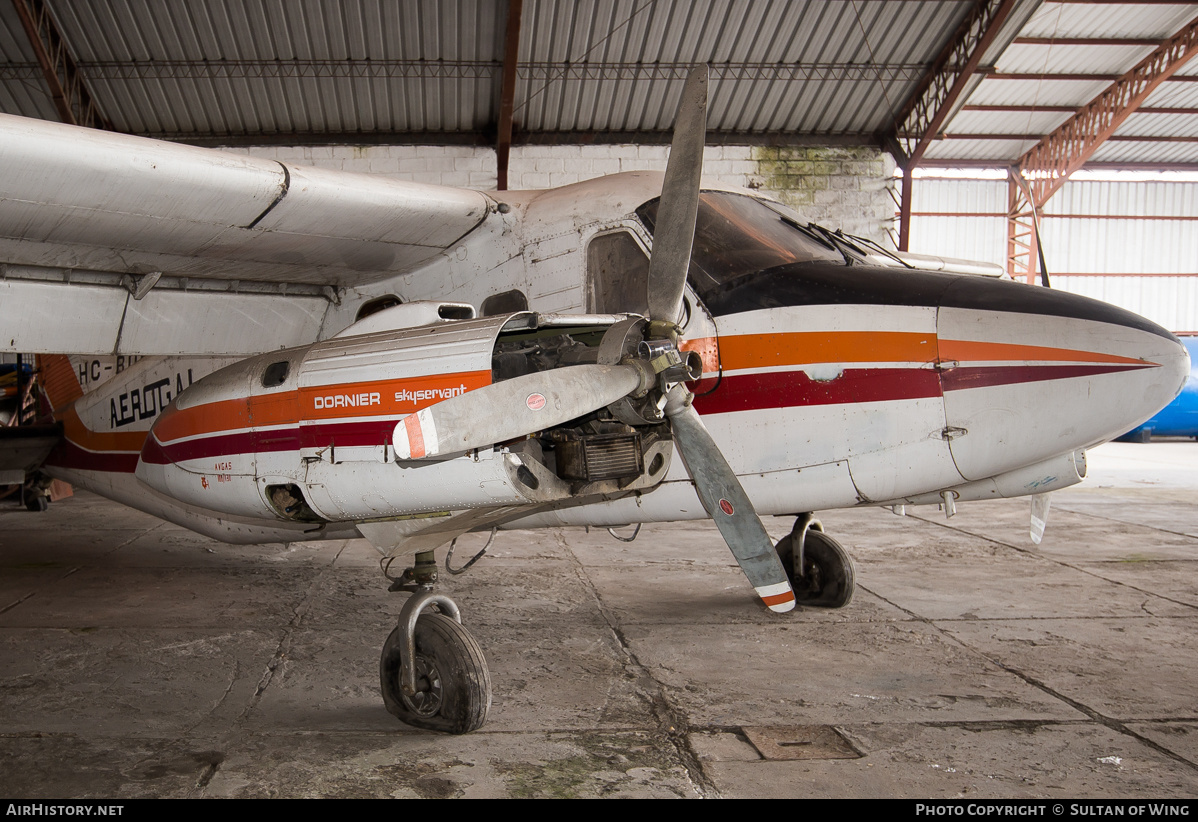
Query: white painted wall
{"x":1111,"y":233}
{"x":839,"y":188}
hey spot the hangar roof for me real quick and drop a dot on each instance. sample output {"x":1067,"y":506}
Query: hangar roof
{"x":783,"y":72}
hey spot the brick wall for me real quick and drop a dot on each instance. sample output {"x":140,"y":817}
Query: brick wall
{"x":837,"y":187}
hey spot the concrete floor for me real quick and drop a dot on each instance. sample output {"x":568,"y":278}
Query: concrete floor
{"x":140,"y":660}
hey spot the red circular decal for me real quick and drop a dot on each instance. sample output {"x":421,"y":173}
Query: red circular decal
{"x":535,"y":402}
{"x":726,"y":507}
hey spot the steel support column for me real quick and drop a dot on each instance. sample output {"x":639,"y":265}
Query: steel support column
{"x":67,"y":89}
{"x":507,"y":95}
{"x":905,"y":210}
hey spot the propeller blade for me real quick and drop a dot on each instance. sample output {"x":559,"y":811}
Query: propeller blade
{"x":674,"y":232}
{"x":513,"y":408}
{"x":728,"y":504}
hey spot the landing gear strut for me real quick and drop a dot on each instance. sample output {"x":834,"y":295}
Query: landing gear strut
{"x":818,"y":567}
{"x":432,"y":672}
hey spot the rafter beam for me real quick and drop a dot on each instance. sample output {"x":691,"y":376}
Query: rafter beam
{"x":1076,"y":78}
{"x":1015,"y":109}
{"x":1087,"y":41}
{"x":507,"y":94}
{"x":70,"y":94}
{"x":926,"y":111}
{"x":1114,"y":138}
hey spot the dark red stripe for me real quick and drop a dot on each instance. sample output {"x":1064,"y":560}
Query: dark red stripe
{"x":320,"y":435}
{"x":69,"y":455}
{"x":750,"y":392}
{"x":956,"y":379}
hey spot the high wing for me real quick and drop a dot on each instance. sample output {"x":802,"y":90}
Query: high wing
{"x":147,"y":242}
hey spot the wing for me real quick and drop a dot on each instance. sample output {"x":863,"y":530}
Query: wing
{"x":159,"y":248}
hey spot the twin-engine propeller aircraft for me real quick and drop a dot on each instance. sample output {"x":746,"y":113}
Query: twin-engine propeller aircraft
{"x":425,"y":362}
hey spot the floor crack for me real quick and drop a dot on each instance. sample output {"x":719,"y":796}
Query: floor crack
{"x":1096,"y":716}
{"x":672,"y":722}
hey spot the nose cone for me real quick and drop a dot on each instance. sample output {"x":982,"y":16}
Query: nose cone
{"x":1029,"y":373}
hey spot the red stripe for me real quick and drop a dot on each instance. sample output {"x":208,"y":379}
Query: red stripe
{"x":346,"y":435}
{"x":750,"y":392}
{"x":957,"y":379}
{"x":69,"y":455}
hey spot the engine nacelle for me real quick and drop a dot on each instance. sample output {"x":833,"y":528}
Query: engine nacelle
{"x":305,"y":433}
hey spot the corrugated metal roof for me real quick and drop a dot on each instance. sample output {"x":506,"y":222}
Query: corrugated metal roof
{"x":803,"y":67}
{"x":24,"y":91}
{"x":303,"y":70}
{"x":1060,"y":58}
{"x":241,"y":67}
{"x":1069,"y":22}
{"x":1107,"y":20}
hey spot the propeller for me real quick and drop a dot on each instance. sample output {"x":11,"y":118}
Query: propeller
{"x":513,"y":408}
{"x":533,"y":402}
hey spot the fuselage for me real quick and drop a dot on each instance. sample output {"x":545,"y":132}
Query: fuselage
{"x":829,"y":381}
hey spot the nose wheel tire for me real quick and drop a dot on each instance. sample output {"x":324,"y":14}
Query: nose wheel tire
{"x":453,"y":687}
{"x":827,"y":577}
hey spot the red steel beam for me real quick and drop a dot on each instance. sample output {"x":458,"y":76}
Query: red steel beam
{"x":1114,"y":138}
{"x":70,"y":94}
{"x":507,"y":95}
{"x":1087,"y":41}
{"x":926,"y":110}
{"x":1013,"y":109}
{"x":1081,"y":78}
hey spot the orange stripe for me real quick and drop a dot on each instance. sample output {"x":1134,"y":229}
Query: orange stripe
{"x":973,"y":351}
{"x":291,"y":406}
{"x":773,"y":350}
{"x":77,"y":432}
{"x":226,"y":415}
{"x":770,"y":350}
{"x":778,"y":599}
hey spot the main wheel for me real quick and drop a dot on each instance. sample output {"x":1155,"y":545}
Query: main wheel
{"x":827,"y":577}
{"x":453,"y":687}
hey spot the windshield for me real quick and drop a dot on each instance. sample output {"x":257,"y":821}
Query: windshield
{"x":737,"y":235}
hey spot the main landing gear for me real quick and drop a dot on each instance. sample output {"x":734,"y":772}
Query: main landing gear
{"x":818,"y":567}
{"x":432,"y":672}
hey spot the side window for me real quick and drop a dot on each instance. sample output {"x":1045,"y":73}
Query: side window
{"x":275,"y":374}
{"x":617,"y":275}
{"x":506,"y":302}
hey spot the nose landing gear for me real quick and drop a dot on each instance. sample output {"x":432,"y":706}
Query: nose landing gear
{"x":818,"y":567}
{"x":432,"y":672}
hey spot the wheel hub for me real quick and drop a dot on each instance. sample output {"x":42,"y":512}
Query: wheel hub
{"x":427,"y":699}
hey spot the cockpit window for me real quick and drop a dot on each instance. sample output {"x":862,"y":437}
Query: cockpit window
{"x":737,"y":235}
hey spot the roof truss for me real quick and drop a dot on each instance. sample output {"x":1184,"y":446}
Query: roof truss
{"x":1048,"y":165}
{"x":70,"y":94}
